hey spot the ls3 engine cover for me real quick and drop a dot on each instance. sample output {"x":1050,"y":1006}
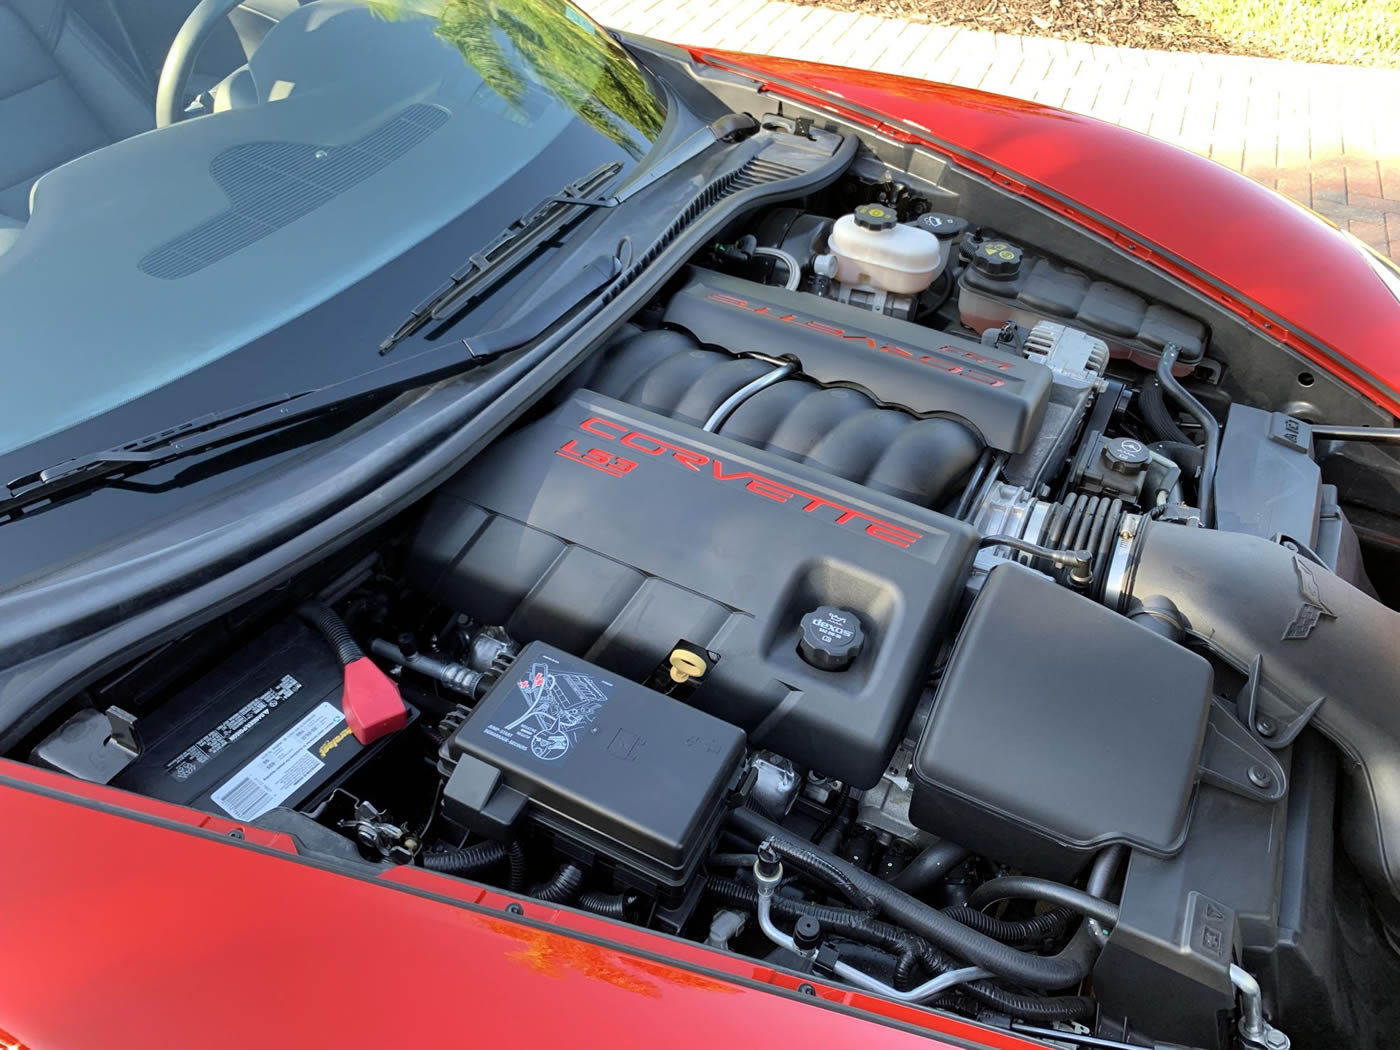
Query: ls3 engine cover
{"x":617,"y":534}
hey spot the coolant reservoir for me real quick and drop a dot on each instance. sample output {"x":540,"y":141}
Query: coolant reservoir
{"x":873,"y":248}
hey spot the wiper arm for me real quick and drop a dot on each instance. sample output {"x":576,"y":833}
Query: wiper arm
{"x":215,"y":429}
{"x":523,"y":235}
{"x":485,"y":266}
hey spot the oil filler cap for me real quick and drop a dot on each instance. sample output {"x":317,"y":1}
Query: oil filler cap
{"x":831,"y":638}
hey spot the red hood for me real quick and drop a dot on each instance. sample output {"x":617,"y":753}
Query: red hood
{"x":1266,"y":258}
{"x":133,"y":923}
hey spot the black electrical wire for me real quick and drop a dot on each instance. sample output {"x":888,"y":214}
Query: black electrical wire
{"x":515,"y":857}
{"x":1032,"y":1007}
{"x":563,"y":888}
{"x":612,"y":905}
{"x":333,"y":629}
{"x":465,"y":861}
{"x":1034,"y":930}
{"x":1206,"y":498}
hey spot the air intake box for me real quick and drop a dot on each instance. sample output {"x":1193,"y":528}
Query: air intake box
{"x":617,"y":534}
{"x":1059,"y":727}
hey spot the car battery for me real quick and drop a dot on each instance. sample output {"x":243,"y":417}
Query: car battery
{"x":261,"y":730}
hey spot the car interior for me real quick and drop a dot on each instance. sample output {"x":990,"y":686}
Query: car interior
{"x":77,"y":75}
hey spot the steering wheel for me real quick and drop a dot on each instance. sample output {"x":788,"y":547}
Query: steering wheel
{"x":179,"y":60}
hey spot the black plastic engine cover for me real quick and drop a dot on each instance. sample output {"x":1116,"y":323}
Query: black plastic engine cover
{"x":929,"y":373}
{"x":615,"y":534}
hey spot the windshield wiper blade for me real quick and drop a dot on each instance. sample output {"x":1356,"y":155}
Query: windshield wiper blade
{"x":215,"y":429}
{"x":132,"y":457}
{"x":485,"y":266}
{"x":523,"y":235}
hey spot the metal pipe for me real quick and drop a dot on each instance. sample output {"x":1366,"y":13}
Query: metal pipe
{"x":1376,"y":435}
{"x":734,"y":400}
{"x":1079,"y":562}
{"x":1256,"y":1033}
{"x":767,"y":885}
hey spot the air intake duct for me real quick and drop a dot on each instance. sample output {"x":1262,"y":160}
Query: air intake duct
{"x":1318,"y":651}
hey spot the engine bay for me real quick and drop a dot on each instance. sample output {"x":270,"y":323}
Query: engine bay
{"x":891,"y":600}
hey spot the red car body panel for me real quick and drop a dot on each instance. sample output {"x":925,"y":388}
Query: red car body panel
{"x":129,"y":923}
{"x":1276,"y":264}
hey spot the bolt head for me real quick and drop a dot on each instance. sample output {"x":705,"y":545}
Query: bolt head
{"x":1265,"y":726}
{"x":1260,"y":777}
{"x":1276,"y":1040}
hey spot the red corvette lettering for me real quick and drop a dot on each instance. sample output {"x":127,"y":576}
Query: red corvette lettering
{"x":602,"y":428}
{"x":952,"y":368}
{"x":768,"y":488}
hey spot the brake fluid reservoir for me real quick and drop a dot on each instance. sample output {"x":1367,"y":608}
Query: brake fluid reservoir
{"x":873,"y":248}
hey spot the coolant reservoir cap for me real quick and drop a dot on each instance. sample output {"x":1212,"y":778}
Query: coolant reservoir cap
{"x":999,"y":259}
{"x":831,"y":638}
{"x":876,"y":217}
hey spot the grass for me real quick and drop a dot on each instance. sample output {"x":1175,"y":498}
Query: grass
{"x":1354,"y":32}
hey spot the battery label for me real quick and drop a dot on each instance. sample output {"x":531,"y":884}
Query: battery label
{"x":288,"y":763}
{"x":184,"y":765}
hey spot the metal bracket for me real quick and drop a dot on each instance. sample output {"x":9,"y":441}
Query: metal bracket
{"x":1268,"y":730}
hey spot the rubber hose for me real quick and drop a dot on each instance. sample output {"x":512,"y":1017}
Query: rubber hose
{"x":841,"y":921}
{"x":1184,"y":454}
{"x":1030,"y":971}
{"x":1023,"y":931}
{"x":515,"y":855}
{"x":875,"y":961}
{"x":1032,"y":1007}
{"x":809,"y":859}
{"x":907,"y":952}
{"x":1209,"y":426}
{"x":1153,"y":405}
{"x":563,"y":888}
{"x":929,"y":867}
{"x":1030,"y":888}
{"x":612,"y":905}
{"x":333,"y":629}
{"x":464,"y":861}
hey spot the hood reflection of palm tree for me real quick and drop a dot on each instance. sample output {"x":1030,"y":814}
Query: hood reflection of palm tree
{"x":564,"y":53}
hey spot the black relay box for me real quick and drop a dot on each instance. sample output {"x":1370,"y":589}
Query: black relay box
{"x":262,"y":729}
{"x":609,"y":765}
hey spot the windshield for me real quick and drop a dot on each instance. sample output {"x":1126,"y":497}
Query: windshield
{"x":356,"y":130}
